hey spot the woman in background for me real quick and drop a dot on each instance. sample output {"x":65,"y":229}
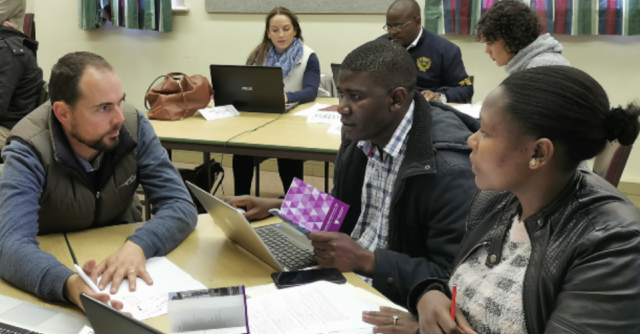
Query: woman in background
{"x":511,"y":30}
{"x":282,"y":46}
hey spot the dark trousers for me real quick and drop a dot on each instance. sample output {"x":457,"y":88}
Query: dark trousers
{"x":243,"y":172}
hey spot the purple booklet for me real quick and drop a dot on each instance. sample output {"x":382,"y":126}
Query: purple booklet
{"x":311,"y":209}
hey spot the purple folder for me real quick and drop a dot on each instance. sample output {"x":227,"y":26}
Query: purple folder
{"x":312,"y":209}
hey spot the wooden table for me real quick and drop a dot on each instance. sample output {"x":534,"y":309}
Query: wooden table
{"x":289,"y":137}
{"x":206,"y":254}
{"x":56,"y":246}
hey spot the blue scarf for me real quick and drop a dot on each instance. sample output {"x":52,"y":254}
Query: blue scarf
{"x":286,"y":60}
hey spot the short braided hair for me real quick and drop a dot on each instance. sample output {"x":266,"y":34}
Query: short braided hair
{"x":388,"y":63}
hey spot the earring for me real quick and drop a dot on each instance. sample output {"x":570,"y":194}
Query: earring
{"x":533,"y":162}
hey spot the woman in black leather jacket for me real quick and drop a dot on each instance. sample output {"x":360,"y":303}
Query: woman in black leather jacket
{"x":549,"y":248}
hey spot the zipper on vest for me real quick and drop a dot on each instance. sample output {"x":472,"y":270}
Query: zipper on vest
{"x":96,"y":216}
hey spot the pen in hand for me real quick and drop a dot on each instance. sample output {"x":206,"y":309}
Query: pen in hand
{"x":454,"y":292}
{"x":88,"y":280}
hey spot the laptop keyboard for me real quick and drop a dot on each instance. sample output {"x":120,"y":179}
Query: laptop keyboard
{"x":292,"y":256}
{"x":8,"y":329}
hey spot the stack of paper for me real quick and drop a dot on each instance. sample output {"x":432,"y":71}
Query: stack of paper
{"x":149,"y":301}
{"x":213,"y":311}
{"x":316,"y":308}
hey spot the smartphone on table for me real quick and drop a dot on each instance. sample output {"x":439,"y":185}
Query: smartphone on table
{"x":288,"y":279}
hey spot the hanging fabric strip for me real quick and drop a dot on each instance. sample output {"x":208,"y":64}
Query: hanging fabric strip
{"x":432,"y":15}
{"x":465,"y":17}
{"x":476,"y":6}
{"x":166,"y":16}
{"x":131,"y":20}
{"x":102,"y":12}
{"x":141,"y":9}
{"x":634,"y":17}
{"x":570,"y":17}
{"x":149,"y":15}
{"x":87,"y":14}
{"x":115,"y":12}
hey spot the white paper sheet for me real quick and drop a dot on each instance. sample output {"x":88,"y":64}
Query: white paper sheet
{"x":211,"y":114}
{"x":372,"y":299}
{"x":335,"y":128}
{"x":150,"y":301}
{"x":316,"y":308}
{"x":309,"y":111}
{"x":86,"y":330}
{"x":324,"y":117}
{"x":360,"y":293}
{"x":472,"y":110}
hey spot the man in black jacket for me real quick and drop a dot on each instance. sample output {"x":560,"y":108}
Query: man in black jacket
{"x":20,"y":79}
{"x":403,"y":167}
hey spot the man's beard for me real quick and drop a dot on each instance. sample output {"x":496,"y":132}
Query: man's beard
{"x":99,"y":145}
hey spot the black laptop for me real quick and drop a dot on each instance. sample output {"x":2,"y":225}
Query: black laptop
{"x":250,"y":88}
{"x":106,"y":320}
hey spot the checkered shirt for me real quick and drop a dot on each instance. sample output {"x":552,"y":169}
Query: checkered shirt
{"x":372,"y":229}
{"x":491,"y":298}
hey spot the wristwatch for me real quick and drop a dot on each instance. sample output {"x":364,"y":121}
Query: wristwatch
{"x":443,"y":98}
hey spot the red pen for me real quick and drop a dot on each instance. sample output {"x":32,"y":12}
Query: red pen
{"x":454,"y":292}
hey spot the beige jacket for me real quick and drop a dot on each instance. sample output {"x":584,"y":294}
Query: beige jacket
{"x":13,"y":11}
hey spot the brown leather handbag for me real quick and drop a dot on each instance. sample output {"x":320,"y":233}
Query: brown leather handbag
{"x":178,"y":96}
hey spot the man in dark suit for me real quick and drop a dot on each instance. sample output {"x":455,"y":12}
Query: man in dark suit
{"x":440,"y":70}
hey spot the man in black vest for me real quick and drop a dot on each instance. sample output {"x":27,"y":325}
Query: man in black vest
{"x":440,"y":70}
{"x":75,"y":163}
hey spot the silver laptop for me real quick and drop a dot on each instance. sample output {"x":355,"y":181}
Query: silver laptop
{"x":282,"y":246}
{"x":17,"y":316}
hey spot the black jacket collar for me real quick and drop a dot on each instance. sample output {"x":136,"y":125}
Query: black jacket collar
{"x":6,"y":32}
{"x":419,"y":156}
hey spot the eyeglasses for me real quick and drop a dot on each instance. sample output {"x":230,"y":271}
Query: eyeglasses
{"x":397,"y":27}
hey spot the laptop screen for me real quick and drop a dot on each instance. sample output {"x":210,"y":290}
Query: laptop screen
{"x":106,"y":320}
{"x":249,"y":88}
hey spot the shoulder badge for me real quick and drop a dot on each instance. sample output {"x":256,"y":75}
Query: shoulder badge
{"x":466,"y":82}
{"x":423,"y":63}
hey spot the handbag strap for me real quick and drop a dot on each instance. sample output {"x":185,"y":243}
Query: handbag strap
{"x":184,"y":99}
{"x":146,"y":101}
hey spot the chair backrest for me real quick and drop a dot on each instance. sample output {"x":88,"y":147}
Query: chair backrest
{"x":29,"y":26}
{"x":335,"y":70}
{"x":327,"y":88}
{"x":44,"y":93}
{"x":611,"y":161}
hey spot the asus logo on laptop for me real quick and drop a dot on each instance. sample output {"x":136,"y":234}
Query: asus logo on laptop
{"x":250,"y":89}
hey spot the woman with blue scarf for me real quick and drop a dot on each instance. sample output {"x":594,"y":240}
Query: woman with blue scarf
{"x":282,"y":46}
